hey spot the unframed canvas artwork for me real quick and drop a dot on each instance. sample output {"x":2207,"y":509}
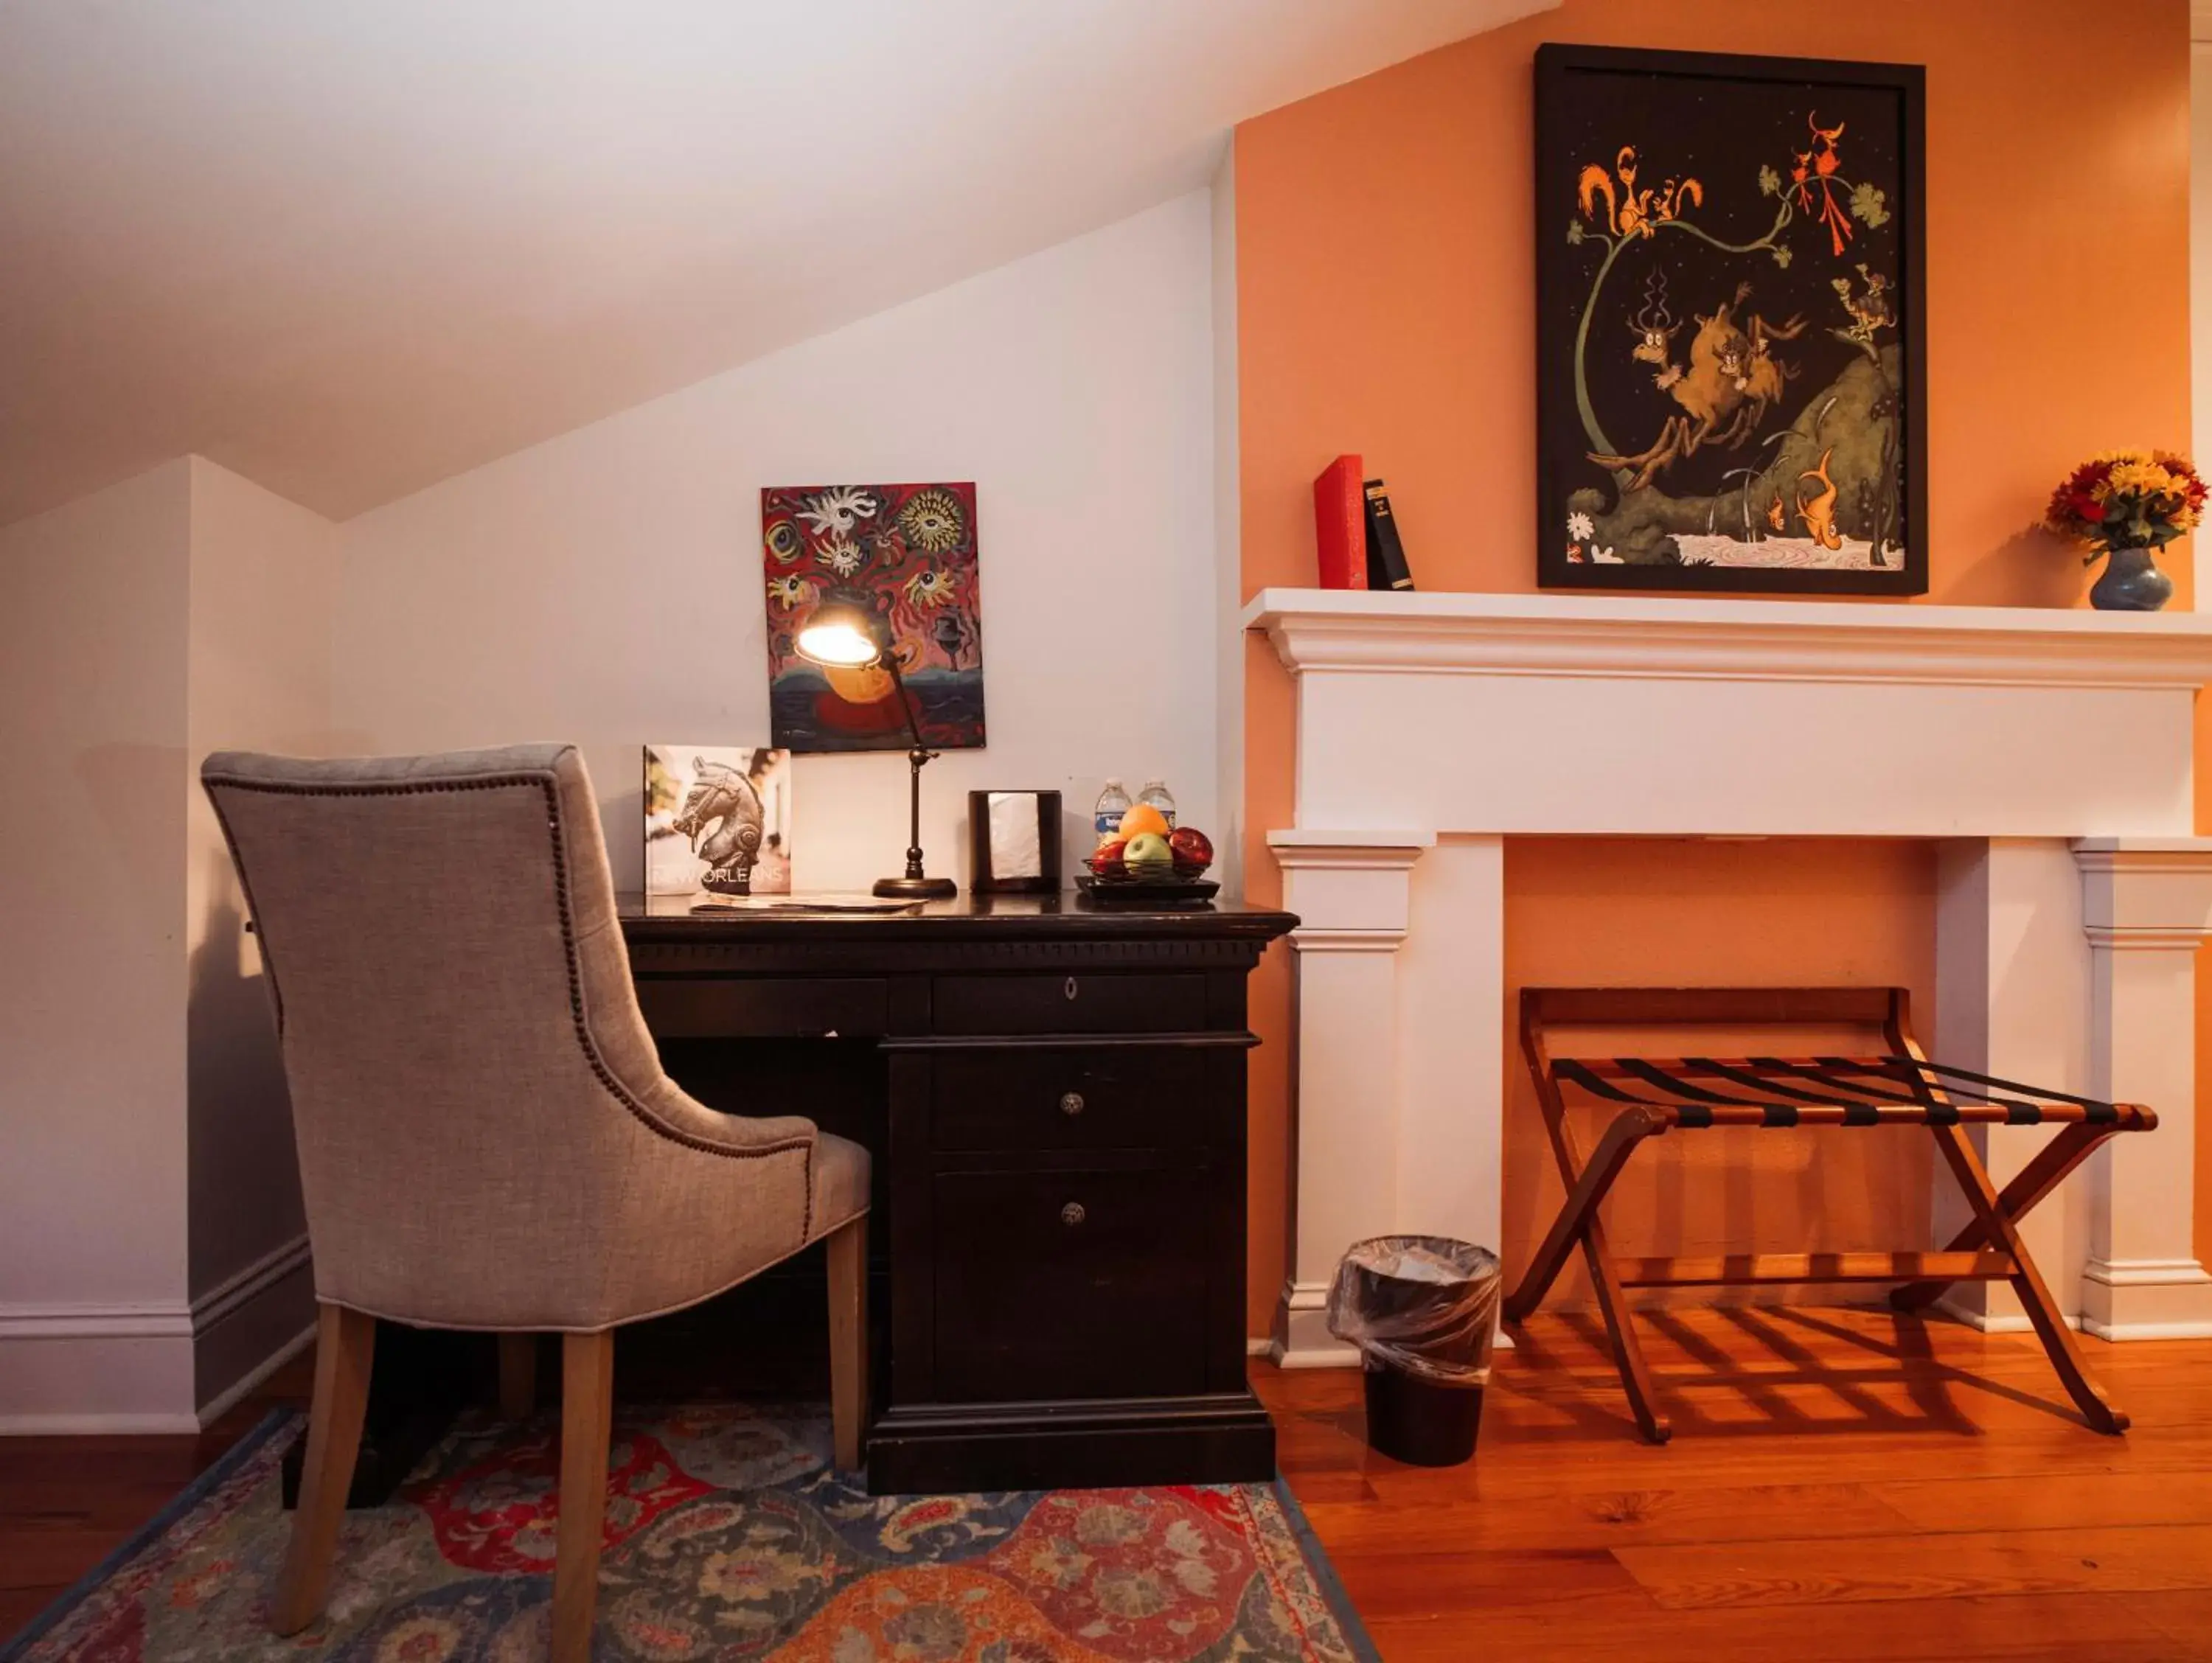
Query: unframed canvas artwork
{"x":1731,"y":360}
{"x":905,"y":554}
{"x":717,"y":821}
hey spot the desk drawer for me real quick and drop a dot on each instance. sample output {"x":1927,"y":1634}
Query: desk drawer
{"x":1114,"y":1002}
{"x":1070,"y":1283}
{"x":765,"y":1007}
{"x":1125,"y":1097}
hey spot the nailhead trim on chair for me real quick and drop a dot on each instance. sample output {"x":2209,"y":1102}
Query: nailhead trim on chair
{"x":491,"y":782}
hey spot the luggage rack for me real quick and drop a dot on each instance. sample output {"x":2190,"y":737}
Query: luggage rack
{"x":1898,"y":1087}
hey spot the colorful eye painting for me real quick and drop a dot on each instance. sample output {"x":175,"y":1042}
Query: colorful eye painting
{"x":905,"y":554}
{"x":1731,"y":360}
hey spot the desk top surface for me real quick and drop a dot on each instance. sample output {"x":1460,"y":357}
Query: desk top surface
{"x":966,"y":917}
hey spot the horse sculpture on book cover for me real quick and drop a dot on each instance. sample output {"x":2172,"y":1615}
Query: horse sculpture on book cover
{"x":723,"y":817}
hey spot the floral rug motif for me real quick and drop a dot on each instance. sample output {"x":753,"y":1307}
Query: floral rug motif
{"x":728,"y":1536}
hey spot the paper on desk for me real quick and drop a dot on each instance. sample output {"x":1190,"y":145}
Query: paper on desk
{"x":803,"y":903}
{"x":1014,"y":851}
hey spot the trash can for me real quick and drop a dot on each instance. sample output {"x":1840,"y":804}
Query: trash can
{"x":1423,"y":1309}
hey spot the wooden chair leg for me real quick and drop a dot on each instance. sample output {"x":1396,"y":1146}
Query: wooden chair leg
{"x":345,"y":1342}
{"x":2000,"y":1232}
{"x":518,"y":1376}
{"x":849,"y":1340}
{"x":587,"y":1370}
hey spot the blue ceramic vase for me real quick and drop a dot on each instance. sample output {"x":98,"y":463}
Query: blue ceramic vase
{"x":2130,"y":582}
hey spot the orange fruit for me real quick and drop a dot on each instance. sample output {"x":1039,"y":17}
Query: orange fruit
{"x":1144,"y":818}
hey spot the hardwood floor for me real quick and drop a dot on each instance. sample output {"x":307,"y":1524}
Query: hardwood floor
{"x":67,"y":1503}
{"x":1842,"y":1485}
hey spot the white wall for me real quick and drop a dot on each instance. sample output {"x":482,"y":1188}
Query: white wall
{"x":605,"y":586}
{"x":264,"y":576}
{"x":2200,"y":263}
{"x":2202,"y":266}
{"x":93,"y":1325}
{"x":1229,"y":645}
{"x":153,"y":1255}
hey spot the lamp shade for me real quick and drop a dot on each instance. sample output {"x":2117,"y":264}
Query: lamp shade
{"x":840,"y":635}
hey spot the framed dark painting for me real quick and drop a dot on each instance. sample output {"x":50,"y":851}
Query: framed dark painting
{"x":1731,"y":367}
{"x":906,"y":555}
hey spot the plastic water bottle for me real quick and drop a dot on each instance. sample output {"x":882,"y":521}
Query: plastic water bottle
{"x":1106,"y":817}
{"x":1155,"y":793}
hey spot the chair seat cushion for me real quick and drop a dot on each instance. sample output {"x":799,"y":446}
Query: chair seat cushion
{"x":841,"y":1183}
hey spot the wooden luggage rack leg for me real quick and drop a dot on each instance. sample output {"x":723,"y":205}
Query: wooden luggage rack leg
{"x":1578,"y":1220}
{"x":1909,"y":1092}
{"x":1996,"y":1224}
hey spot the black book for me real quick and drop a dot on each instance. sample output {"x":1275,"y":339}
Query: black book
{"x":1386,"y":555}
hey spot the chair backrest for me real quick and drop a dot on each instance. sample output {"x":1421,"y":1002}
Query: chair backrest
{"x":459,"y":1031}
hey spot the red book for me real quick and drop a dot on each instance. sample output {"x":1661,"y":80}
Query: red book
{"x":1341,"y":525}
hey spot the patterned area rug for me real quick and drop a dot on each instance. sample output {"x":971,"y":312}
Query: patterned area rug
{"x":727,"y":1537}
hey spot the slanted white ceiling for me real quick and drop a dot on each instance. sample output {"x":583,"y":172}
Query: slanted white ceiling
{"x":348,"y":247}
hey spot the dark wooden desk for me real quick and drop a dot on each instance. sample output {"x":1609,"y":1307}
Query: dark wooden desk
{"x":1055,"y":1096}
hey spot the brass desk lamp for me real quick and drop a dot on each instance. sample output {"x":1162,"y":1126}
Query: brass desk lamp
{"x":841,"y":635}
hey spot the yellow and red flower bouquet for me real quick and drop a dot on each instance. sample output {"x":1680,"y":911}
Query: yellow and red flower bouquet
{"x":2127,"y":499}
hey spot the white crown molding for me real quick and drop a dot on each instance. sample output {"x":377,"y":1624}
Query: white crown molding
{"x":1347,"y":941}
{"x":1303,"y":850}
{"x":2147,"y":937}
{"x":1370,"y":633}
{"x":2150,"y":857}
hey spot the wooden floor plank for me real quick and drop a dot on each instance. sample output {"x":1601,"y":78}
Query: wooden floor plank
{"x":2059,"y":1500}
{"x":2068,"y":1628}
{"x":2134,"y":1558}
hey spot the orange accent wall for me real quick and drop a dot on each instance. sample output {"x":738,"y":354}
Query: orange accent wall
{"x":1386,"y":306}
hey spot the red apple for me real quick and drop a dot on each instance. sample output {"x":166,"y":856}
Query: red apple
{"x":1192,"y":848}
{"x":1106,"y":861}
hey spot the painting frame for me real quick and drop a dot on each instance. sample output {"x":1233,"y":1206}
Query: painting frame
{"x":1567,"y":302}
{"x":907,"y":555}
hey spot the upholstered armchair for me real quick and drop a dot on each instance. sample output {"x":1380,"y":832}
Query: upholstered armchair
{"x":486,"y":1138}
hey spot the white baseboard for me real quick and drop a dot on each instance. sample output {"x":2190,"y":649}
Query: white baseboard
{"x":72,"y":1370}
{"x":218,"y":1407}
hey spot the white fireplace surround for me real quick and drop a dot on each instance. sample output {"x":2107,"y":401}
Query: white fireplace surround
{"x":2049,"y":752}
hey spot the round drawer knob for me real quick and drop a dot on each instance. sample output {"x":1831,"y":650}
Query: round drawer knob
{"x":1070,"y":1102}
{"x":1072,"y":1214}
{"x":1069,"y":989}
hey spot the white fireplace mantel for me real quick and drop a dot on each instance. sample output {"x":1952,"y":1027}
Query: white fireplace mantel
{"x":2050,"y":751}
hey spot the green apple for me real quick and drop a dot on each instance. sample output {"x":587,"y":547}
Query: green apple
{"x":1148,"y":856}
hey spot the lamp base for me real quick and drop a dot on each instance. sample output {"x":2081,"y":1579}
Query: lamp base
{"x":916,"y":888}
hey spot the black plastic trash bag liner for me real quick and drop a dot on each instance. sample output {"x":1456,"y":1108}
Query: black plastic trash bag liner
{"x":1425,"y":1304}
{"x":1422,"y":1310}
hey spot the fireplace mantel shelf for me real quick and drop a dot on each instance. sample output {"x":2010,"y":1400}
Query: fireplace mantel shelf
{"x":1359,"y":631}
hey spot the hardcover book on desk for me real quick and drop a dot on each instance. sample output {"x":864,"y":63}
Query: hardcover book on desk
{"x":717,"y":821}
